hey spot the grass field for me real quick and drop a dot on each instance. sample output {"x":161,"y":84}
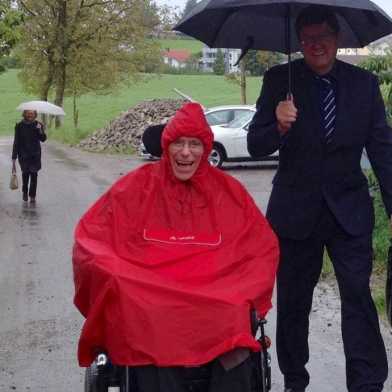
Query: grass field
{"x":190,"y":44}
{"x":11,"y":95}
{"x":97,"y":110}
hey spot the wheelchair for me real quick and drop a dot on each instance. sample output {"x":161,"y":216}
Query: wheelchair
{"x":103,"y":376}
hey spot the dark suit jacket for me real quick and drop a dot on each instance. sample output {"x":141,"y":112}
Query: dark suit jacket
{"x":312,"y":172}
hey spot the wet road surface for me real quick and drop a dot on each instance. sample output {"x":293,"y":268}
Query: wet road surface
{"x":39,"y":326}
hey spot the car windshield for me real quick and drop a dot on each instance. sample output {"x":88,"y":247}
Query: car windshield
{"x":241,"y":119}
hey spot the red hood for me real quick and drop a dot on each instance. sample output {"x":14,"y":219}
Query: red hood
{"x":189,"y":121}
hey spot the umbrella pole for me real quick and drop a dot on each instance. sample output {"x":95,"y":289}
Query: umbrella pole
{"x":288,"y":47}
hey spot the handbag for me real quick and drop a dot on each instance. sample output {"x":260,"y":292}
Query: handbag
{"x":14,"y":183}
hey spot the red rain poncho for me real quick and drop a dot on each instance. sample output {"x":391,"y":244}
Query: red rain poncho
{"x":166,"y":271}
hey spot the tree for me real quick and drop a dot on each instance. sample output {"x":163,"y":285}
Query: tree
{"x":10,"y":20}
{"x":253,"y":64}
{"x":243,"y":81}
{"x":269,"y":59}
{"x":193,"y":62}
{"x":239,"y":78}
{"x":382,"y":67}
{"x":219,"y":64}
{"x":188,"y":6}
{"x":258,"y":62}
{"x":76,"y":46}
{"x":168,"y":18}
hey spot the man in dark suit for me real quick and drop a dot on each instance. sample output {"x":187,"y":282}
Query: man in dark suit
{"x":320,"y":196}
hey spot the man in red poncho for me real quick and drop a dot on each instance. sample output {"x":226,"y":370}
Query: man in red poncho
{"x":169,"y":263}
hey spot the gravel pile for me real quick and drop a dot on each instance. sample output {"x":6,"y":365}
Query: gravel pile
{"x":126,"y":131}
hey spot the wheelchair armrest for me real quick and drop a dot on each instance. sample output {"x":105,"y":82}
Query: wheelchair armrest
{"x":102,"y":359}
{"x":256,"y":323}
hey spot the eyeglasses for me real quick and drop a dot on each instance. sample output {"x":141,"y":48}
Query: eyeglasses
{"x":193,"y":145}
{"x":324,"y":38}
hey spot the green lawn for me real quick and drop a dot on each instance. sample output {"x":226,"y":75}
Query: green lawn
{"x":97,"y":110}
{"x":11,"y":95}
{"x":192,"y":45}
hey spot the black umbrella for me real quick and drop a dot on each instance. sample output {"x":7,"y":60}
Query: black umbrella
{"x":270,"y":24}
{"x":388,"y":288}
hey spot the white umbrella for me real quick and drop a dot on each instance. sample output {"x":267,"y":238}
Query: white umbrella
{"x":43,"y":107}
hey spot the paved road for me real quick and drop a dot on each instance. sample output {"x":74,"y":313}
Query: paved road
{"x":39,"y":326}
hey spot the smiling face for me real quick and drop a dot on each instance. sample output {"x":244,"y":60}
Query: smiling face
{"x":29,"y":115}
{"x":185,"y":154}
{"x":319,"y":46}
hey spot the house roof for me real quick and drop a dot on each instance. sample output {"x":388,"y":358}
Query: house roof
{"x":179,"y":55}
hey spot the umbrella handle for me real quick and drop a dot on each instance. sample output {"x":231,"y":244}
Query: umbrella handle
{"x":288,"y":45}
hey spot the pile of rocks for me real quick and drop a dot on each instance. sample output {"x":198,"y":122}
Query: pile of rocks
{"x":126,"y":131}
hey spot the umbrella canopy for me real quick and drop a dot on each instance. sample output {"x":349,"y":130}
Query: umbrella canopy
{"x":270,"y":24}
{"x":43,"y":107}
{"x":263,"y":24}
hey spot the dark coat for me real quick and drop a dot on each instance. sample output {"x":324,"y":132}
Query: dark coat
{"x":27,"y":145}
{"x":312,"y":172}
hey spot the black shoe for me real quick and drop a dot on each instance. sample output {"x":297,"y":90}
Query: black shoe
{"x":25,"y":197}
{"x":293,"y":390}
{"x":32,"y":200}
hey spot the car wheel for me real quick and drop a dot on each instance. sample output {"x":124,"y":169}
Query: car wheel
{"x":216,"y":157}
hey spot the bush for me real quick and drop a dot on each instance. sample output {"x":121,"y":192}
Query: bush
{"x":381,"y":241}
{"x":10,"y":62}
{"x":167,"y":69}
{"x":386,"y":91}
{"x":382,"y":233}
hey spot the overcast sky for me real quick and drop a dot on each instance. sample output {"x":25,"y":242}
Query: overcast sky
{"x":386,"y":5}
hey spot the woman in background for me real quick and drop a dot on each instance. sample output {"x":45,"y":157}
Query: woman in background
{"x":29,"y":133}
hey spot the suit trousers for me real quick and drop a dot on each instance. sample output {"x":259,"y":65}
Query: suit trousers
{"x":173,"y":379}
{"x":299,"y":271}
{"x":33,"y":179}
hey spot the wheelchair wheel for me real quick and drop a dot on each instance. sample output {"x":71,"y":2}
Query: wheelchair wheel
{"x":92,"y":381}
{"x":90,"y":378}
{"x":265,"y":370}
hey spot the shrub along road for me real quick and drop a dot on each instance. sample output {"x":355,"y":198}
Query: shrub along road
{"x":39,"y":326}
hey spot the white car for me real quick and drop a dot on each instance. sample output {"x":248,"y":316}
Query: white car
{"x":230,"y":139}
{"x":223,"y":115}
{"x":218,"y":115}
{"x":230,"y":127}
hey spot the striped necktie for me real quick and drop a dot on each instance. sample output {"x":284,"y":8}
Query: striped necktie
{"x":328,"y":107}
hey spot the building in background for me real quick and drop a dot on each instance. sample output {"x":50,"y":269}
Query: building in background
{"x":354,"y":51}
{"x":176,"y":58}
{"x":209,"y":55}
